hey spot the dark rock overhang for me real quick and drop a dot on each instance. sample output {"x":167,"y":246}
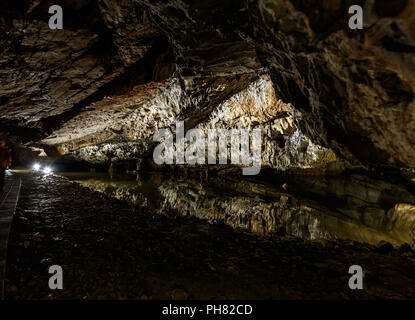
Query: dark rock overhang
{"x":351,"y":91}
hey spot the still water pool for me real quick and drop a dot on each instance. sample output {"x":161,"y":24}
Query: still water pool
{"x":352,"y":206}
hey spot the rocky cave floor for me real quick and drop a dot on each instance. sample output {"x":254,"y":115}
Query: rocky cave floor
{"x":111,"y":250}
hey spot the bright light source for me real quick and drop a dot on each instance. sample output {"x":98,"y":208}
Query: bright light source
{"x":47,"y":170}
{"x":36,"y":167}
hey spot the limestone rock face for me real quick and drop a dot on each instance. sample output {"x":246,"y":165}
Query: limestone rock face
{"x":284,"y":146}
{"x":355,"y":92}
{"x":48,"y":75}
{"x":133,"y":117}
{"x":119,"y":70}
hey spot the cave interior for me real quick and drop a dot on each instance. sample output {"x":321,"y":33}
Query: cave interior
{"x":335,"y":107}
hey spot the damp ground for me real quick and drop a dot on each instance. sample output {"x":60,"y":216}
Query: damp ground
{"x":110,"y":249}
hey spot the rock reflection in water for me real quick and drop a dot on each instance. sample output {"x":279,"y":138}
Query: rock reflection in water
{"x":352,"y":207}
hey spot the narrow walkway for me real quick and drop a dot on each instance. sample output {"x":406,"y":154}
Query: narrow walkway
{"x":8,"y":202}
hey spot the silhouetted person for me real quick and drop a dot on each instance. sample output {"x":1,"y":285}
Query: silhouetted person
{"x":5,"y":161}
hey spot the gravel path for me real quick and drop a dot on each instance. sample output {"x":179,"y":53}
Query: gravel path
{"x":111,"y":250}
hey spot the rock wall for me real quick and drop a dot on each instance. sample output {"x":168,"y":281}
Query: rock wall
{"x":119,"y":70}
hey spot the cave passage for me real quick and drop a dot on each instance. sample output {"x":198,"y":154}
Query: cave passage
{"x":207,"y":149}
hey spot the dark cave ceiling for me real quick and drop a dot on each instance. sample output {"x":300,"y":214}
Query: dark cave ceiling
{"x":120,"y":70}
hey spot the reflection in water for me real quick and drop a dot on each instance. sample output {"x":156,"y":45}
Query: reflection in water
{"x":351,"y":207}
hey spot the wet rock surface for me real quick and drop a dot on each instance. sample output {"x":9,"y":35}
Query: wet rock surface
{"x":111,"y":250}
